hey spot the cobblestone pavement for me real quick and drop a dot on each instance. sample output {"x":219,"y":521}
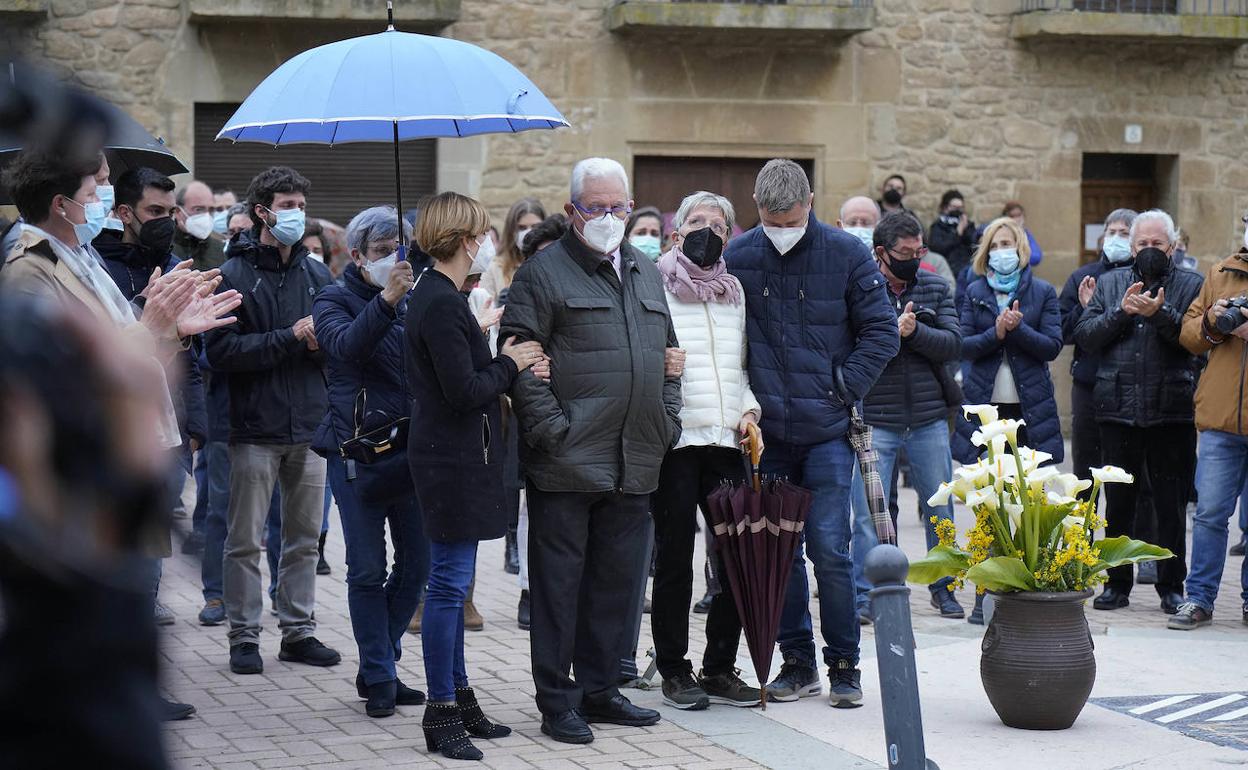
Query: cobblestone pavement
{"x":298,"y":716}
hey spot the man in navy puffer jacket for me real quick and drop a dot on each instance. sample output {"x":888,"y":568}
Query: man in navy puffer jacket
{"x":815,"y":304}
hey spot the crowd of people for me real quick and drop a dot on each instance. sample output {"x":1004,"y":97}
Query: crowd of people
{"x":579,"y":383}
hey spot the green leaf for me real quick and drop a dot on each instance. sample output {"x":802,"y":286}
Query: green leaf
{"x":1116,"y":551}
{"x":941,"y":561}
{"x":1002,"y":573}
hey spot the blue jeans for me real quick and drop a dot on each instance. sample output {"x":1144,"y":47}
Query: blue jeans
{"x":216,"y":456}
{"x":927,"y":446}
{"x":381,"y":606}
{"x":442,"y":627}
{"x":201,"y":492}
{"x":1221,"y":471}
{"x":1243,"y":512}
{"x":825,"y":469}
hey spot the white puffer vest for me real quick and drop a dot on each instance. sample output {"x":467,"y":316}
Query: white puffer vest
{"x":715,"y":385}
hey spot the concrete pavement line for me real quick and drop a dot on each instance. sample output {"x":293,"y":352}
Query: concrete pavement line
{"x":1161,"y":704}
{"x":1210,"y":706}
{"x":1230,"y":716}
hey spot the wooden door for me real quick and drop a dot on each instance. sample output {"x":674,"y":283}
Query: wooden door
{"x":665,"y":181}
{"x":1100,"y":197}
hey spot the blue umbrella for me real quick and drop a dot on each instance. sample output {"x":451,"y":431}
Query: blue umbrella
{"x":390,"y":87}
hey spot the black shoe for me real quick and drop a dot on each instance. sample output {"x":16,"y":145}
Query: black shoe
{"x":1238,"y":548}
{"x":444,"y":732}
{"x":380,"y":699}
{"x":403,"y":695}
{"x":511,"y":554}
{"x":1190,"y":616}
{"x":846,"y":686}
{"x":524,"y":612}
{"x":245,"y":659}
{"x":618,"y":710}
{"x":683,"y":692}
{"x":944,"y":601}
{"x":567,"y":727}
{"x":308,"y":650}
{"x":475,"y":721}
{"x":703,"y":605}
{"x":193,"y":545}
{"x":1111,"y":599}
{"x":175,"y":712}
{"x":976,"y":618}
{"x":322,"y":566}
{"x":1171,"y":601}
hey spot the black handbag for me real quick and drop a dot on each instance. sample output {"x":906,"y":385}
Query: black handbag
{"x":376,"y":458}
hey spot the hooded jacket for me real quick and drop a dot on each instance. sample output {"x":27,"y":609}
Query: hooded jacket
{"x":1222,"y":396}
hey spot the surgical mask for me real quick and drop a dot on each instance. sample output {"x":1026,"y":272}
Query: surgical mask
{"x":484,"y":256}
{"x":95,"y":214}
{"x":604,"y":233}
{"x":864,"y":234}
{"x":221,"y":222}
{"x":199,"y":226}
{"x":520,"y":233}
{"x":113,"y":223}
{"x":156,"y":236}
{"x":650,"y":245}
{"x":1152,"y":264}
{"x":1003,"y":261}
{"x":289,"y":225}
{"x":702,"y":247}
{"x":106,"y":195}
{"x":784,"y":238}
{"x":1117,"y":249}
{"x":380,"y":270}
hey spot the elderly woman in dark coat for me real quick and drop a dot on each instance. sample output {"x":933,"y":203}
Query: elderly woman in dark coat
{"x":455,"y":452}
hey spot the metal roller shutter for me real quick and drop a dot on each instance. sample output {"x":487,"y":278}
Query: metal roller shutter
{"x":345,"y":178}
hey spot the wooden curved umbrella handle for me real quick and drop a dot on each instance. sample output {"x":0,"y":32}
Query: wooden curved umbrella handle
{"x":755,"y":443}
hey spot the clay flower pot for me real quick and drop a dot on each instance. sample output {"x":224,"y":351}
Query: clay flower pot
{"x":1038,"y":665}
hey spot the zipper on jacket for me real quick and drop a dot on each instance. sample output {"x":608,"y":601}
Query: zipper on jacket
{"x":485,"y":437}
{"x":784,"y":352}
{"x":719,"y":383}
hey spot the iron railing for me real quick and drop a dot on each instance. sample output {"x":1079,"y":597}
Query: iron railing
{"x":1168,"y":7}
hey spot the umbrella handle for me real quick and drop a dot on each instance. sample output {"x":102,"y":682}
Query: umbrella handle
{"x":754,"y":445}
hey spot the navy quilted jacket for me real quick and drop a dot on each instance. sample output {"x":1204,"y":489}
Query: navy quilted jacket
{"x":821,"y":306}
{"x":1028,"y":349}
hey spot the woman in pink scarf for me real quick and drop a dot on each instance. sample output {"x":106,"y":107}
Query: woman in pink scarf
{"x":708,"y":311}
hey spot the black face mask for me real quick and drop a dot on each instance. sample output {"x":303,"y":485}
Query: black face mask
{"x":702,"y":247}
{"x":156,"y":238}
{"x":1152,"y":264}
{"x":903,"y":269}
{"x":892,"y":196}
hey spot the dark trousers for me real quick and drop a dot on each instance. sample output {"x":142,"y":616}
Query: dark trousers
{"x":1167,"y":453}
{"x":442,"y":628}
{"x":582,"y":550}
{"x":1085,"y":432}
{"x":687,"y":477}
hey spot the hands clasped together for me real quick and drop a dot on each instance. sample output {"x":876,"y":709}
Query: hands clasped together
{"x":182,"y":302}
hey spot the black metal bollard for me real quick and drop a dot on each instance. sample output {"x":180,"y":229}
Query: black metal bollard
{"x":886,"y":568}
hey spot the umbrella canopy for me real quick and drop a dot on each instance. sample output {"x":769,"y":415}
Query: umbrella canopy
{"x":388,"y":87}
{"x":859,"y":436}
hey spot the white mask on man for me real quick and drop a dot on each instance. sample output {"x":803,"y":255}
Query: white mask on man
{"x":604,"y":233}
{"x":199,"y":226}
{"x":784,"y":238}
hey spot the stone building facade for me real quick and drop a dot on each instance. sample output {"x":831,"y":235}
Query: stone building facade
{"x":1002,"y":99}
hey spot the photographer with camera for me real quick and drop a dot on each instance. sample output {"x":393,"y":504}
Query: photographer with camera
{"x":1215,"y":325}
{"x":908,"y":407}
{"x":1143,"y":397}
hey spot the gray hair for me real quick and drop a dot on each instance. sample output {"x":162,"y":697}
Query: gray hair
{"x":704,"y":198}
{"x":242,"y":207}
{"x":1125,"y":216}
{"x":781,"y":185}
{"x":1155,"y":215}
{"x":380,"y":223}
{"x":596,"y":168}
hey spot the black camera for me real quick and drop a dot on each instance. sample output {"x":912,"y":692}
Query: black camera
{"x":1231,"y":318}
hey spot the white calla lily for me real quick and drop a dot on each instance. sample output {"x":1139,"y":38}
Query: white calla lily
{"x":1112,"y":474}
{"x":1067,"y":485}
{"x":1037,"y":478}
{"x":978,"y":497}
{"x":1032,"y":458}
{"x":977,"y":475}
{"x":985,"y":412}
{"x":943,"y":493}
{"x":1073,"y":520}
{"x":1015,"y":512}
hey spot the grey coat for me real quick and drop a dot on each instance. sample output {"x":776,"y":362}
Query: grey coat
{"x":609,"y":414}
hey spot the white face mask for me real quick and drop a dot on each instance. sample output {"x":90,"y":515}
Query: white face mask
{"x":484,"y":257}
{"x":604,"y":233}
{"x":864,"y":234}
{"x":520,"y":233}
{"x":784,"y":238}
{"x":380,"y":270}
{"x":199,"y":226}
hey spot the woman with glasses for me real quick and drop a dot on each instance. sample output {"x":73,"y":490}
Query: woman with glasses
{"x":708,"y":311}
{"x":454,"y":452}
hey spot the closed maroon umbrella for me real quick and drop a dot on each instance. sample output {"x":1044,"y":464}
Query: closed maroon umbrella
{"x":757,"y":528}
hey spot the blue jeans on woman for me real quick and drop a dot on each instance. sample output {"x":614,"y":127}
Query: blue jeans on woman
{"x":381,"y":606}
{"x":442,"y":629}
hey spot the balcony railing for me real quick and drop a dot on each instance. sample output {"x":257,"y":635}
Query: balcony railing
{"x":1213,"y":22}
{"x":800,"y":18}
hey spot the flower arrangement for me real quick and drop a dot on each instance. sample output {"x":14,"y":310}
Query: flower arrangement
{"x":1032,"y":532}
